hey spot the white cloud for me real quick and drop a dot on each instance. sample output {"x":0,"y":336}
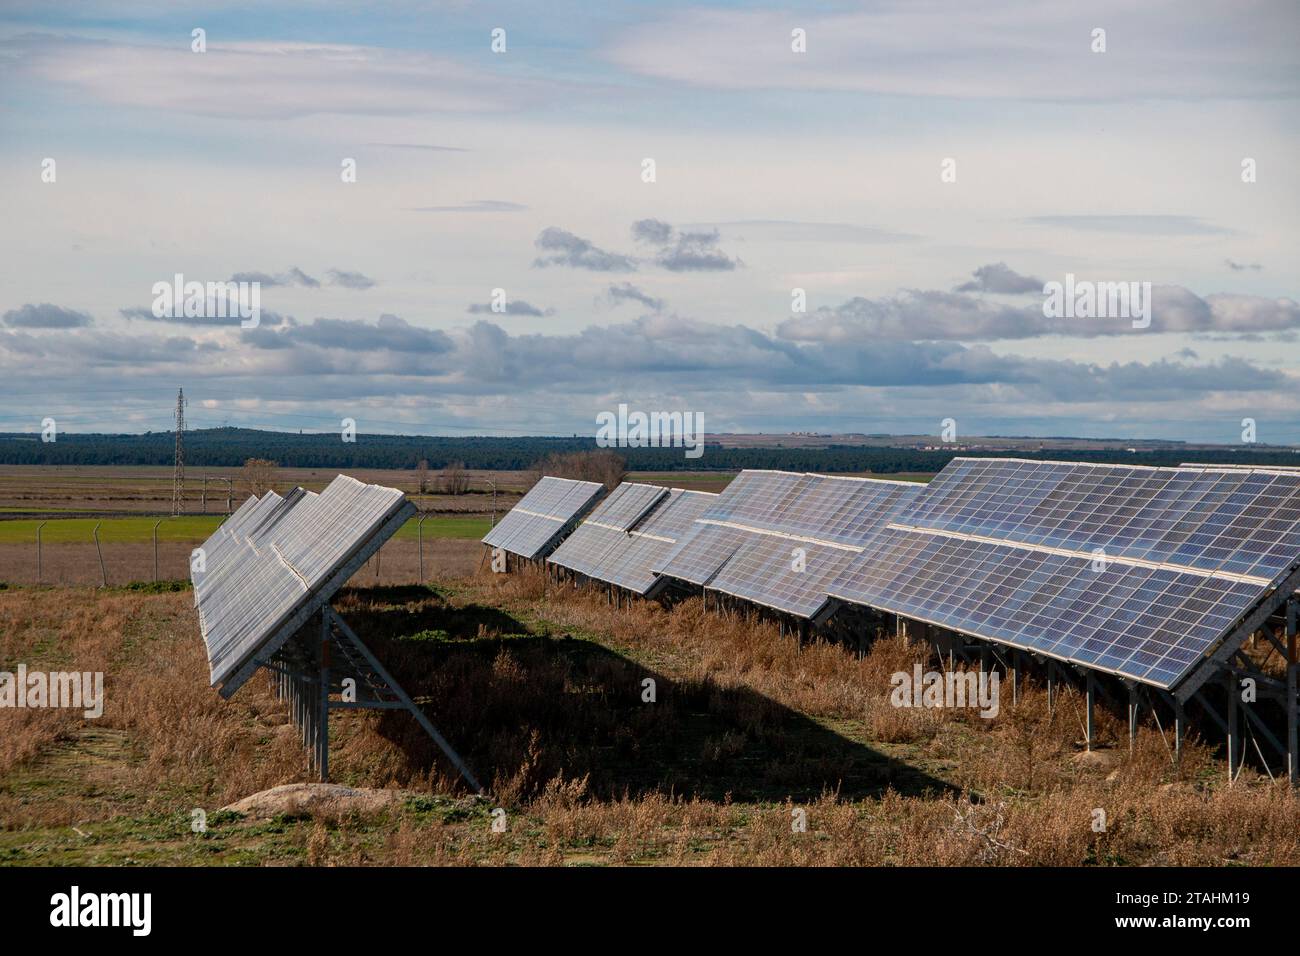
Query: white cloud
{"x":999,"y":49}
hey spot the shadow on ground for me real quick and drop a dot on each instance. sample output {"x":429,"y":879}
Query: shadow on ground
{"x":531,"y":707}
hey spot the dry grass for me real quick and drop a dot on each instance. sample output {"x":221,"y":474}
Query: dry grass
{"x":124,"y":562}
{"x":541,"y":694}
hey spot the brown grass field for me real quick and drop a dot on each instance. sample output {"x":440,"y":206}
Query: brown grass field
{"x":62,"y":490}
{"x":541,"y":693}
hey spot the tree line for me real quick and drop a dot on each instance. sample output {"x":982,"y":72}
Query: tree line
{"x":232,"y":447}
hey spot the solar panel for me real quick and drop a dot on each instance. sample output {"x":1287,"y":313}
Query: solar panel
{"x":279,"y":559}
{"x":1201,"y":464}
{"x":624,"y":536}
{"x":700,"y":554}
{"x":532,"y":528}
{"x":819,"y":526}
{"x":777,"y":538}
{"x":1131,"y":570}
{"x":627,"y":504}
{"x":604,"y":529}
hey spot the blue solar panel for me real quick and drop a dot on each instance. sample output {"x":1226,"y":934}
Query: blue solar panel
{"x":551,"y":508}
{"x":630,"y":532}
{"x":1136,"y":571}
{"x":777,"y":538}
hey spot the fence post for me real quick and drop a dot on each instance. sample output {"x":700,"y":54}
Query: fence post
{"x":155,"y":549}
{"x":103,"y":572}
{"x":419,"y":526}
{"x":38,"y":551}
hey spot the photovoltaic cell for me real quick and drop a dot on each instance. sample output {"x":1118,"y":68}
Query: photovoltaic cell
{"x":701,"y":553}
{"x":551,"y":508}
{"x":627,"y":504}
{"x":777,"y":538}
{"x":1135,"y":571}
{"x":626,"y":557}
{"x":278,"y":557}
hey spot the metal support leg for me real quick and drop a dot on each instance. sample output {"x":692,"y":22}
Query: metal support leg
{"x":409,"y":704}
{"x":1051,"y":687}
{"x":1234,"y":730}
{"x":1180,"y":729}
{"x":323,"y":731}
{"x":1132,"y":717}
{"x":1091,"y":688}
{"x":1292,"y":717}
{"x":1015,"y":677}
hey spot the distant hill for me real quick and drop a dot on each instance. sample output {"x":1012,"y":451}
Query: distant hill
{"x":225,"y":447}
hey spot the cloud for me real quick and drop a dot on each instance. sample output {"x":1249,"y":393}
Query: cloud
{"x":999,"y":279}
{"x":390,"y":333}
{"x":927,"y":315}
{"x":627,"y":292}
{"x":266,"y":318}
{"x":269,"y":80}
{"x":676,"y":251}
{"x":788,"y":230}
{"x":953,"y":49}
{"x":1134,"y":225}
{"x":350,"y":280}
{"x":46,"y":316}
{"x":1239,"y":266}
{"x":696,"y":252}
{"x":685,"y":251}
{"x":512,"y":307}
{"x":420,"y":146}
{"x":479,"y":205}
{"x":729,"y":372}
{"x":293,"y":276}
{"x":563,"y":248}
{"x":652,"y":230}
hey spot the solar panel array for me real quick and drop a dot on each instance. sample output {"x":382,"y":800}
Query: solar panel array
{"x":1137,"y":571}
{"x":630,"y":531}
{"x":277,"y":558}
{"x":1131,"y":570}
{"x":778,"y":538}
{"x":552,"y":506}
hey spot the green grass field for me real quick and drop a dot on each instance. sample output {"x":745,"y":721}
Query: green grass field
{"x":195,"y":528}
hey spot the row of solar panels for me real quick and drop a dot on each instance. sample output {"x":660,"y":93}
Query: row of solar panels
{"x":274,"y":561}
{"x":1131,"y":570}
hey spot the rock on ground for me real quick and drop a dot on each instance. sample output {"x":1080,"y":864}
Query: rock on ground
{"x":306,"y":797}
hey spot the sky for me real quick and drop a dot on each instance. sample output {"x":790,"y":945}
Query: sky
{"x":853,"y":214}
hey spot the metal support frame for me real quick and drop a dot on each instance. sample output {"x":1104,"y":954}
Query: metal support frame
{"x":1292,"y":718}
{"x":1234,"y":727}
{"x":1090,"y":687}
{"x":1134,"y":709}
{"x":306,"y":672}
{"x":1180,"y":728}
{"x":1281,"y":595}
